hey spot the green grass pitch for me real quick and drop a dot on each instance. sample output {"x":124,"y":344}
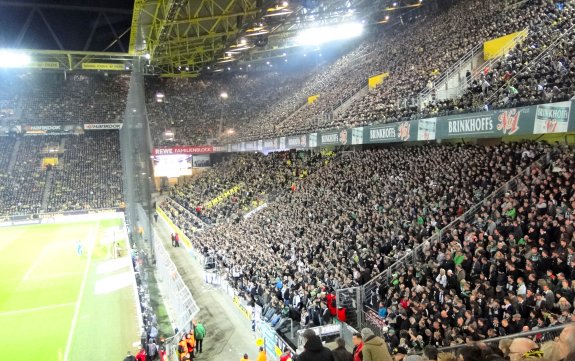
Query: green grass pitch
{"x":58,"y":306}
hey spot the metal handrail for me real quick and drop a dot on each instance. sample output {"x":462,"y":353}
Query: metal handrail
{"x":464,"y":216}
{"x":445,"y":75}
{"x":552,"y":329}
{"x":532,"y":62}
{"x":196,"y":218}
{"x":506,"y":48}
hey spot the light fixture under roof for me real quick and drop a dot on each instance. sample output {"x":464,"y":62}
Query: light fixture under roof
{"x":258,"y":30}
{"x":225,"y":59}
{"x":278,"y":11}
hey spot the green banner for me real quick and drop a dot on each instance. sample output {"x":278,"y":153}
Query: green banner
{"x":536,"y":119}
{"x":493,"y":124}
{"x":390,"y":133}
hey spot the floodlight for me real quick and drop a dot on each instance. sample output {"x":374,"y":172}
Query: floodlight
{"x":13,"y":59}
{"x":224,"y":95}
{"x":320,"y":35}
{"x":147,"y":56}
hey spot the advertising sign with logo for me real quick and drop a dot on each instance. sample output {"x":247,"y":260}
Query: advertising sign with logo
{"x":334,"y":137}
{"x":426,"y":129}
{"x":105,"y":126}
{"x":552,"y":118}
{"x":312,"y":140}
{"x":357,"y":135}
{"x":297,"y":141}
{"x":395,"y":132}
{"x":204,"y":149}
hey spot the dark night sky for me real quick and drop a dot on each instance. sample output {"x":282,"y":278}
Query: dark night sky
{"x":72,"y":27}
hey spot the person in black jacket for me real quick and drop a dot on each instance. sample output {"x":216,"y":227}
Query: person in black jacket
{"x":340,"y":353}
{"x":314,"y":349}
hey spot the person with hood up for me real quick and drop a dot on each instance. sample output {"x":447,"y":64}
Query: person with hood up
{"x":314,"y":349}
{"x":374,"y":347}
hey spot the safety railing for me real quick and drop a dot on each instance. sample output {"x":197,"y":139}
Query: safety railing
{"x":531,"y":64}
{"x":181,"y":208}
{"x":370,"y":289}
{"x":453,"y":69}
{"x":181,"y":306}
{"x":539,"y":336}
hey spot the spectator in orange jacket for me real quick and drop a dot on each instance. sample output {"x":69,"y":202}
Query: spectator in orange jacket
{"x":183,"y":347}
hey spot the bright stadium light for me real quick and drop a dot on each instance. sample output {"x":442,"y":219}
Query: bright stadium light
{"x":13,"y":59}
{"x":316,"y":36}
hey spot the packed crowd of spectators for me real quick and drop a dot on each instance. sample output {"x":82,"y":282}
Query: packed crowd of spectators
{"x":243,"y":182}
{"x":556,"y":345}
{"x":348,"y":220}
{"x":509,"y":269}
{"x":89,"y":174}
{"x":193,"y":109}
{"x":22,"y":186}
{"x":9,"y":99}
{"x":37,"y":98}
{"x":519,"y":80}
{"x":515,"y":80}
{"x":428,"y":46}
{"x":6,"y":149}
{"x":77,"y":99}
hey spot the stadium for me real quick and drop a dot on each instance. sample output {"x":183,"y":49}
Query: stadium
{"x":285,"y":180}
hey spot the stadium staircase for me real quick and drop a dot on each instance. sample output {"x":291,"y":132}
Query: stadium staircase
{"x":349,"y":101}
{"x":294,"y":113}
{"x":19,"y":108}
{"x":14,"y":156}
{"x":47,"y":189}
{"x":63,"y":144}
{"x":452,"y":82}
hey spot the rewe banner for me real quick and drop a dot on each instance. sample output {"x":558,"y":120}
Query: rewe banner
{"x":203,"y":149}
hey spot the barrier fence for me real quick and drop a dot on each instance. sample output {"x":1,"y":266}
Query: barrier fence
{"x":540,"y":336}
{"x":360,"y":307}
{"x":180,"y":303}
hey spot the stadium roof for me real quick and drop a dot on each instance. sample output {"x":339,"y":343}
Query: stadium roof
{"x":68,"y":33}
{"x":178,"y":37}
{"x":183,"y":38}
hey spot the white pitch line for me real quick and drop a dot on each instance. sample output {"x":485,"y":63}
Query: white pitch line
{"x":36,"y":309}
{"x":91,"y":242}
{"x":35,"y":264}
{"x":55,"y":275}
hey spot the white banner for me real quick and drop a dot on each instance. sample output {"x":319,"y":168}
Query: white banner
{"x":103,"y":126}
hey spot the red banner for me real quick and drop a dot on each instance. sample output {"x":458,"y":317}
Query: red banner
{"x":201,"y":149}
